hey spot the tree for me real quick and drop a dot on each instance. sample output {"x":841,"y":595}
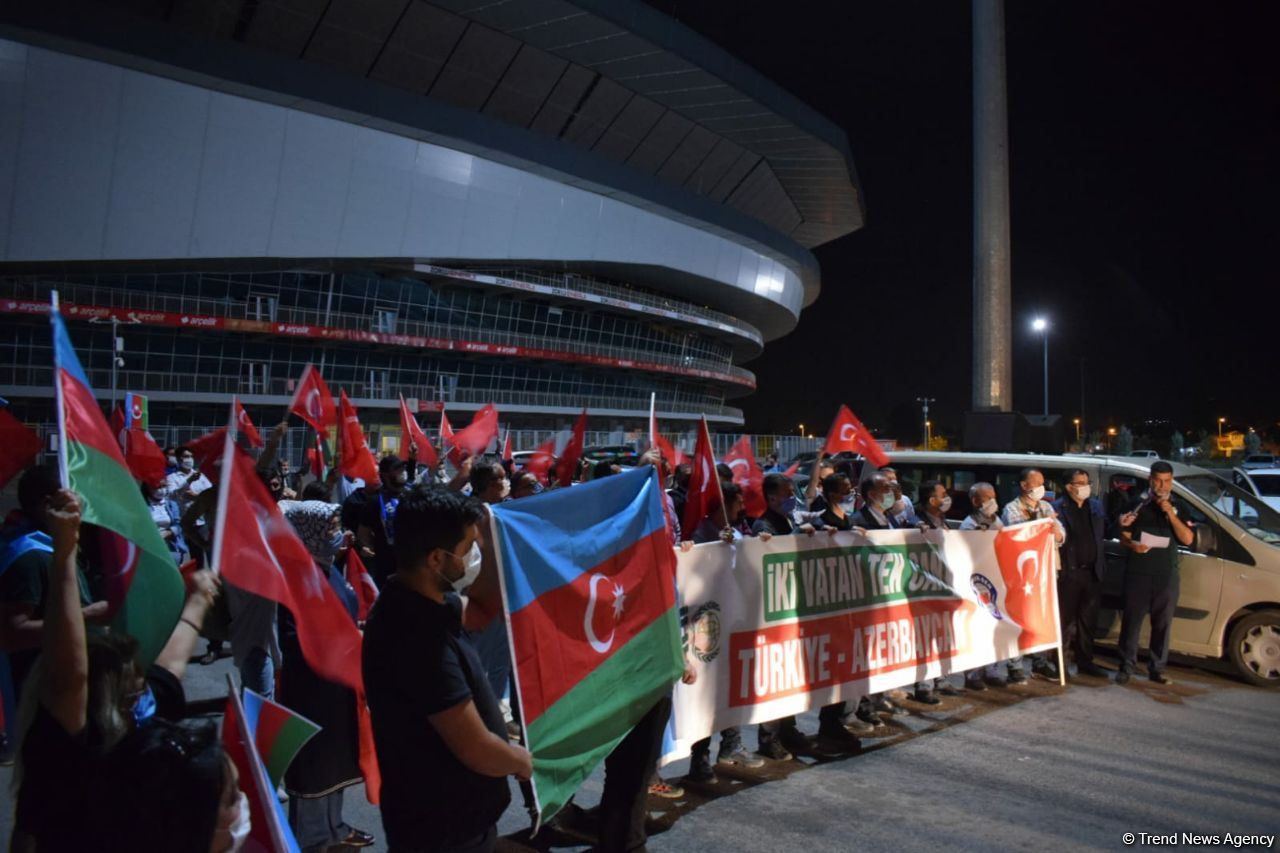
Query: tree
{"x":1176,"y":443}
{"x":1124,"y":442}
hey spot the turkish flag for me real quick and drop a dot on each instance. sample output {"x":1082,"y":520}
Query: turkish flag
{"x":791,"y":472}
{"x":315,"y":458}
{"x":360,"y":580}
{"x":673,"y":455}
{"x":1028,"y":554}
{"x":313,"y":403}
{"x":541,"y":460}
{"x":411,"y":433}
{"x":207,"y":451}
{"x":117,"y":423}
{"x":704,"y":484}
{"x":357,"y":459}
{"x":144,"y":457}
{"x":848,"y":433}
{"x":747,"y":476}
{"x":507,"y":452}
{"x":568,"y":463}
{"x":475,"y":437}
{"x":256,"y":549}
{"x":446,"y":441}
{"x":19,"y":445}
{"x":246,"y":427}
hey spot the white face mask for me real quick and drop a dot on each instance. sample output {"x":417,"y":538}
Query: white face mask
{"x":186,"y":463}
{"x":240,"y":829}
{"x":470,"y":571}
{"x":1082,"y":492}
{"x":990,"y":507}
{"x":1036,"y":494}
{"x":506,"y":489}
{"x":945,"y":504}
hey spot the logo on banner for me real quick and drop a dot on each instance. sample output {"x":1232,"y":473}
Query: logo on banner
{"x":987,"y":594}
{"x":704,"y":632}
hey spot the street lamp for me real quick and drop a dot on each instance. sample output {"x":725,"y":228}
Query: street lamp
{"x":1221,"y":421}
{"x":928,"y":435}
{"x":1076,"y":421}
{"x":802,"y":430}
{"x":1041,"y":325}
{"x":1111,"y":433}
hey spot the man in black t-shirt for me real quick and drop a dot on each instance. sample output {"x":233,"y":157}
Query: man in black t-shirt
{"x":1151,"y":533}
{"x":441,"y":741}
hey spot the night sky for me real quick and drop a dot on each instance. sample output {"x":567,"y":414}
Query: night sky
{"x":1144,"y":140}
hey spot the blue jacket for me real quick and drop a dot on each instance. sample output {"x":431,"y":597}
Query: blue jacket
{"x":1067,"y":551}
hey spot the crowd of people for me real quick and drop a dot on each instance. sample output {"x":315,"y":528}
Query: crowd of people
{"x":106,"y":758}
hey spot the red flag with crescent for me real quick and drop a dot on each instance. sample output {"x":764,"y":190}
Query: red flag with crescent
{"x":246,"y":427}
{"x":314,"y":404}
{"x":411,"y":433}
{"x":568,"y":464}
{"x":848,"y":433}
{"x":747,"y":476}
{"x":704,"y":483}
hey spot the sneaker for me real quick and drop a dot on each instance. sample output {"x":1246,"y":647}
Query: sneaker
{"x":774,"y":751}
{"x":1161,"y":678}
{"x":794,"y":740}
{"x":666,"y":790}
{"x":946,"y":688}
{"x":1045,"y":669}
{"x":995,"y":681}
{"x":868,"y":716}
{"x":741,"y":758}
{"x":1017,"y":676}
{"x":977,"y":685}
{"x":858,"y":726}
{"x":700,"y":771}
{"x":882,"y":705}
{"x":837,"y":741}
{"x":1122,"y":677}
{"x":926,"y":697}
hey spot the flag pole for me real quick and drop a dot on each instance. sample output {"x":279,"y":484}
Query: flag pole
{"x":224,"y":489}
{"x":54,"y":316}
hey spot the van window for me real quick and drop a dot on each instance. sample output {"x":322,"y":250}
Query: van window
{"x":1247,"y":510}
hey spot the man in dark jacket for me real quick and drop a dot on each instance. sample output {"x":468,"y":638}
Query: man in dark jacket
{"x":1083,"y":560}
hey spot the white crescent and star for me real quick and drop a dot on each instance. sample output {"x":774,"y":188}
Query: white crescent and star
{"x":316,"y":411}
{"x":619,"y":602}
{"x":846,"y":432}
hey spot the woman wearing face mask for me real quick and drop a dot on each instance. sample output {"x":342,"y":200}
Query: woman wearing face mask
{"x":168,"y":519}
{"x":329,"y":762}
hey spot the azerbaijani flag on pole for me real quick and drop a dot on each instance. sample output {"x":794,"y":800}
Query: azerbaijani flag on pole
{"x":93,"y":466}
{"x":278,"y":732}
{"x":588,"y":584}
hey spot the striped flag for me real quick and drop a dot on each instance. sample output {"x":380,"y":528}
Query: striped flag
{"x":269,"y":828}
{"x":588,"y":583}
{"x":93,"y":466}
{"x":278,"y":733}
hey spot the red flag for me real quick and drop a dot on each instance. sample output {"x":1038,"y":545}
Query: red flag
{"x":117,"y":423}
{"x":268,"y":828}
{"x":475,"y":437}
{"x":246,"y":427}
{"x":673,"y":455}
{"x":315,"y":458}
{"x":446,"y":441}
{"x":848,"y":433}
{"x":207,"y":451}
{"x":19,"y":445}
{"x":357,"y":459}
{"x":256,"y":549}
{"x":313,"y":403}
{"x":144,"y":457}
{"x":704,"y":484}
{"x":791,"y":472}
{"x":541,"y":460}
{"x":362,"y":583}
{"x":507,"y":452}
{"x":568,"y":464}
{"x":1028,"y":555}
{"x":411,"y":432}
{"x":748,"y":476}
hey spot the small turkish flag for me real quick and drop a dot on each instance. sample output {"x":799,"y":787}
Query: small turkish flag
{"x":313,"y":403}
{"x":246,"y":427}
{"x":747,"y":476}
{"x":848,"y":433}
{"x":356,"y":459}
{"x":704,"y":484}
{"x":411,"y":433}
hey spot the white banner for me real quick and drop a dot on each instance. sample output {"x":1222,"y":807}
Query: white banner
{"x":775,"y":628}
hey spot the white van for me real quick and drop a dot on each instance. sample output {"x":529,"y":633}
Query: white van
{"x":1229,"y":599}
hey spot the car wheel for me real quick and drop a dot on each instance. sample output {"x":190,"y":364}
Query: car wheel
{"x":1254,"y":648}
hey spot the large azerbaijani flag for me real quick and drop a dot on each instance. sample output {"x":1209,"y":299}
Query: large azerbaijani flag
{"x":151,"y":589}
{"x":588,"y":582}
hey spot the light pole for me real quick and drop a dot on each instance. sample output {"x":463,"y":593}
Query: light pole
{"x":802,"y":430}
{"x":928,"y":435}
{"x":1041,"y":325}
{"x":1111,"y":433}
{"x":924,"y":402}
{"x":1076,"y":421}
{"x":1221,"y":421}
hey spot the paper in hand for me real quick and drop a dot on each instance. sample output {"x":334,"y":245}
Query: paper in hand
{"x":1153,"y":541}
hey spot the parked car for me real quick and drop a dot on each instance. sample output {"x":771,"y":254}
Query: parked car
{"x":1260,"y":460}
{"x":1263,"y":482}
{"x":625,"y":455}
{"x":1143,"y":454}
{"x":1230,"y":575}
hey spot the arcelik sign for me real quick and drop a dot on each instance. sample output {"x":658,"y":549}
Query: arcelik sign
{"x":778,"y":627}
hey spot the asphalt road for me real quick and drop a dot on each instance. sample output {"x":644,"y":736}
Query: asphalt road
{"x":1034,"y":767}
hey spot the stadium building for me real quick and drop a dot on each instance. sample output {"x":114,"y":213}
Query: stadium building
{"x":547,"y":204}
